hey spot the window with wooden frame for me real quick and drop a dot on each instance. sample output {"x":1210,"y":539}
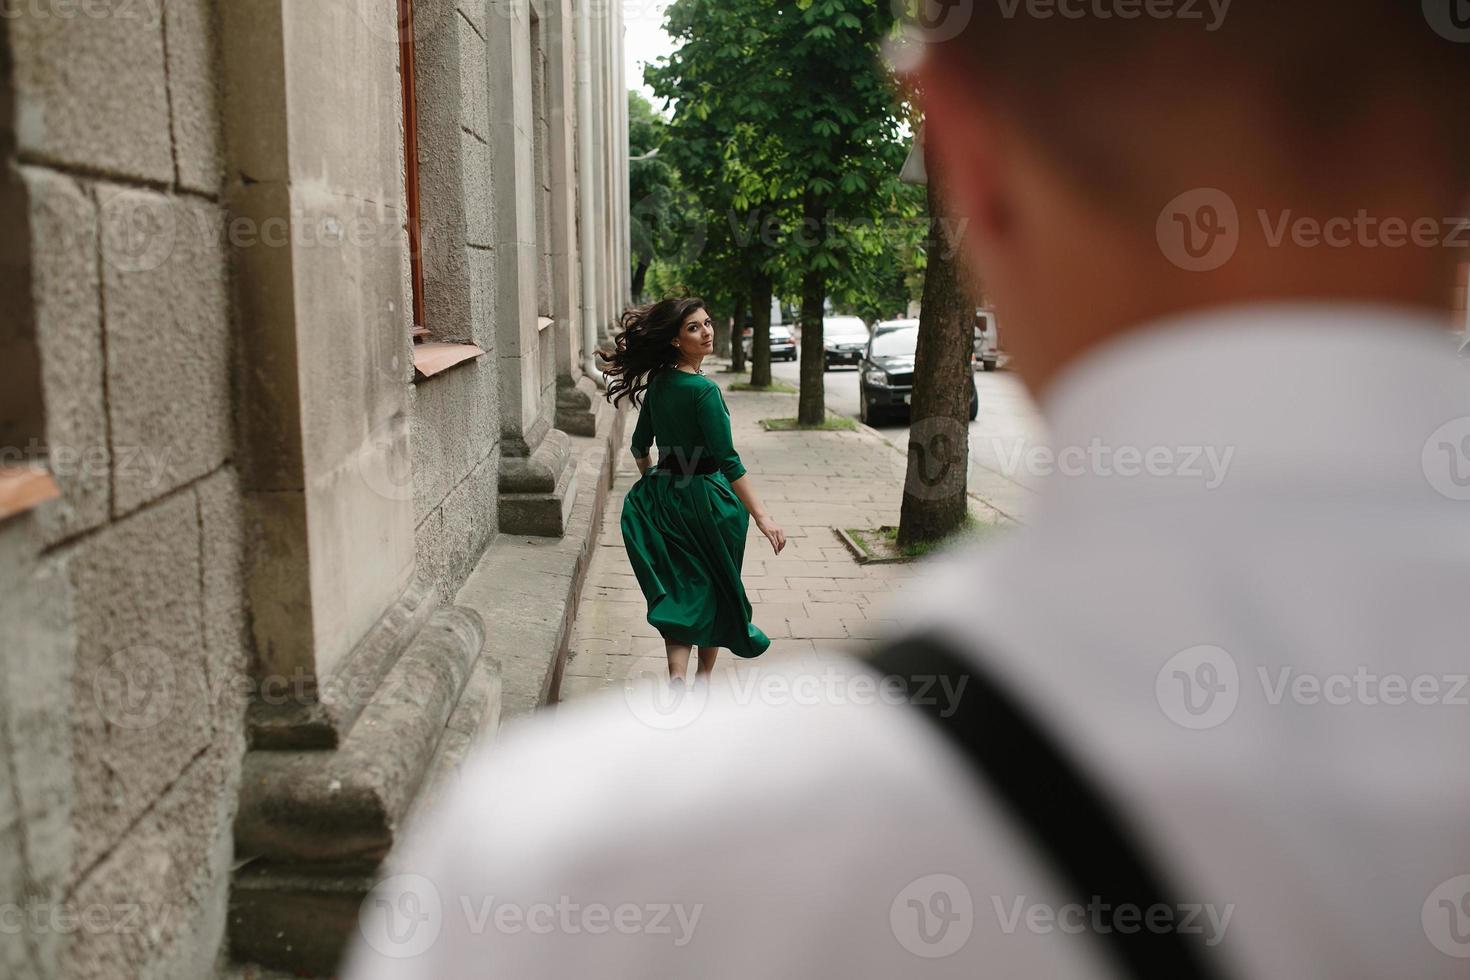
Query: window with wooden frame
{"x":411,"y":163}
{"x":429,"y":356}
{"x":25,"y":479}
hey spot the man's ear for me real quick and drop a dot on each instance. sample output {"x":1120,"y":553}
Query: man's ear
{"x":964,"y":147}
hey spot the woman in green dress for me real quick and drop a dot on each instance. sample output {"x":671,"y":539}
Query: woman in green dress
{"x":685,"y":520}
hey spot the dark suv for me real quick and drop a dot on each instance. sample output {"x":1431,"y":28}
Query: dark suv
{"x":886,"y":377}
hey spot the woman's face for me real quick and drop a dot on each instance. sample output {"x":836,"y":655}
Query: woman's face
{"x":696,"y":337}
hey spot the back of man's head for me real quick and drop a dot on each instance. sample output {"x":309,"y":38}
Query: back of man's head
{"x":1067,"y":131}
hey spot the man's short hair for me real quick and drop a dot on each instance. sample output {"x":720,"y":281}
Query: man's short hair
{"x":1088,"y":78}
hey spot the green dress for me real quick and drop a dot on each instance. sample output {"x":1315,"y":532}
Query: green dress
{"x":685,"y":534}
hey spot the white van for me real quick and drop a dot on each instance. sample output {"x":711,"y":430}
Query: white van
{"x":987,"y":339}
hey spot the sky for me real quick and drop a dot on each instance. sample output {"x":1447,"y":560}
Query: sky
{"x":644,"y":41}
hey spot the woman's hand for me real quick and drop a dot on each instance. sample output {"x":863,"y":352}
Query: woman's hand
{"x":772,"y":531}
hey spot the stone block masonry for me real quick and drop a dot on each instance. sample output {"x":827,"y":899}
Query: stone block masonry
{"x":122,"y":605}
{"x":241,"y":651}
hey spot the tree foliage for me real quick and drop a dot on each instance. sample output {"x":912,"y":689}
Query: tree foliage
{"x":653,"y":188}
{"x":787,"y":131}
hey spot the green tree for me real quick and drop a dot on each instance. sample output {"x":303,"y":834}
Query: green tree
{"x":666,"y":221}
{"x":838,"y":130}
{"x":882,"y":267}
{"x":651,"y":186}
{"x":784,"y":126}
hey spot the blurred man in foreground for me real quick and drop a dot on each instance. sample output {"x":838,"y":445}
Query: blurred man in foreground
{"x":1213,"y":712}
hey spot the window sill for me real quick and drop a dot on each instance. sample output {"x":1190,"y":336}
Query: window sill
{"x":432,"y":358}
{"x":23,"y":488}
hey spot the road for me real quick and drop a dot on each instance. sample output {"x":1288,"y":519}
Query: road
{"x":1007,"y":428}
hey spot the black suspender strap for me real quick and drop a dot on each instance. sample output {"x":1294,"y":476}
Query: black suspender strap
{"x":1072,"y":824}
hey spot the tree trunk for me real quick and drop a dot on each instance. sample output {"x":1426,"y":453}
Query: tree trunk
{"x":812,"y":404}
{"x":640,"y":272}
{"x":724,"y":328}
{"x":760,"y":325}
{"x":934,"y":490}
{"x":737,"y":332}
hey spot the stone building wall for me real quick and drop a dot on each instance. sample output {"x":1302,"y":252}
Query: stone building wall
{"x":266,"y":514}
{"x":123,"y":610}
{"x":456,"y":415}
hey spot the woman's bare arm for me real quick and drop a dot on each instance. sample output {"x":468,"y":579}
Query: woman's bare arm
{"x":745,"y":489}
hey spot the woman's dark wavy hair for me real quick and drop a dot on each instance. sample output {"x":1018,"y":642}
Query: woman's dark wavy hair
{"x":643,"y":349}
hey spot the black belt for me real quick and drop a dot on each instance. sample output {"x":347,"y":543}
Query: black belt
{"x":676,"y":463}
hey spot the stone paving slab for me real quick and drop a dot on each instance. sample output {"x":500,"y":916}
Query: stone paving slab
{"x":813,"y":600}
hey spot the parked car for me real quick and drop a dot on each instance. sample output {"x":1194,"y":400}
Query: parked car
{"x":783,"y":345}
{"x":844,"y":338}
{"x":886,"y":377}
{"x":883,"y":326}
{"x":986,"y":353}
{"x":987,"y":340}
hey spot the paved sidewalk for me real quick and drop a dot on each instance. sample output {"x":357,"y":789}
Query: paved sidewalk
{"x":1009,"y":426}
{"x":813,"y":598}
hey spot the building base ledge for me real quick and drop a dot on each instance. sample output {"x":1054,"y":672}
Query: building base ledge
{"x":527,"y":588}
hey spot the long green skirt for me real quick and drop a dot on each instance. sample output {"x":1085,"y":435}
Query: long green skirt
{"x":685,"y":537}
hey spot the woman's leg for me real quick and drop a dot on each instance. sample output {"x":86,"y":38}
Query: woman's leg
{"x":678,"y":654}
{"x":706,"y":663}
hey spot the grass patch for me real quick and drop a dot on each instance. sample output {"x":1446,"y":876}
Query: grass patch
{"x":832,"y":423}
{"x":972,"y":528}
{"x":775,"y":387}
{"x":880,"y":544}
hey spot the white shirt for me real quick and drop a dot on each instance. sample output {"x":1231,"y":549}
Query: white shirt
{"x":1316,"y":572}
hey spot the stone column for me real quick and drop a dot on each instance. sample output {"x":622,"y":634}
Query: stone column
{"x":617,"y":155}
{"x":314,"y":124}
{"x":537,"y":480}
{"x":622,"y":247}
{"x":576,"y":393}
{"x":604,"y":206}
{"x":586,"y":170}
{"x":315,"y":195}
{"x":608,"y":107}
